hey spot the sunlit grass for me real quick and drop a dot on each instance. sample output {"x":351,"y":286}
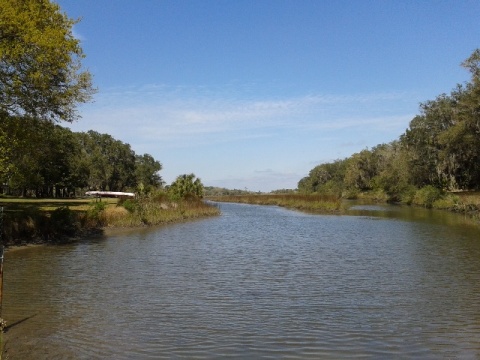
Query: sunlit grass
{"x":155,"y":213}
{"x":314,"y":202}
{"x":10,"y":203}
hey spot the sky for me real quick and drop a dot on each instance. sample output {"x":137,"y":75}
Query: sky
{"x":250,"y":94}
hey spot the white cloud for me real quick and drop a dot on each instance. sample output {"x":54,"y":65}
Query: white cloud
{"x":172,"y":114}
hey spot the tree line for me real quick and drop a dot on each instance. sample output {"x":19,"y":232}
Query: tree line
{"x":47,"y":160}
{"x":440,"y":149}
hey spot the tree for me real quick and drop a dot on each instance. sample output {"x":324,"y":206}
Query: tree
{"x":443,"y":142}
{"x":111,"y":163}
{"x":325,"y":178}
{"x":472,"y":64}
{"x":186,"y":187}
{"x":393,"y":173}
{"x":146,"y":172}
{"x":361,"y":169}
{"x":42,"y":160}
{"x":40,"y":62}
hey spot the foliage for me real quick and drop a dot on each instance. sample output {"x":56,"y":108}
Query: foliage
{"x":439,"y":151}
{"x":447,"y":202}
{"x":407,"y":195}
{"x":426,"y":196}
{"x":325,"y":178}
{"x":130,"y":205}
{"x":63,"y":222}
{"x":40,"y":62}
{"x":218,"y":191}
{"x":95,"y":211}
{"x":146,"y":173}
{"x":47,"y":160}
{"x":111,"y":163}
{"x":186,"y":187}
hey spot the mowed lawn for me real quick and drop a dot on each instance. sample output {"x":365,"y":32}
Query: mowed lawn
{"x":78,"y":204}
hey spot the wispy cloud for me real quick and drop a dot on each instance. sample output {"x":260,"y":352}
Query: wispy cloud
{"x":171,"y":114}
{"x":206,"y":129}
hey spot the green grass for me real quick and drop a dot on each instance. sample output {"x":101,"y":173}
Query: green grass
{"x":15,"y":204}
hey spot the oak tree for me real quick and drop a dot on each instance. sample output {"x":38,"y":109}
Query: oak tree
{"x":40,"y":62}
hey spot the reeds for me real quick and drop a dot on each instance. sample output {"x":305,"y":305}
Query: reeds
{"x":306,"y":202}
{"x":152,"y":212}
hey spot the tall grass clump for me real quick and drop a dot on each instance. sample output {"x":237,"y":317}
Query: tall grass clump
{"x":94,"y":216}
{"x":155,"y":209}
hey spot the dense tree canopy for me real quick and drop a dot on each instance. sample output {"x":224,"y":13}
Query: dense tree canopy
{"x":49,"y":160}
{"x":146,"y":173}
{"x":40,"y":70}
{"x":440,"y":149}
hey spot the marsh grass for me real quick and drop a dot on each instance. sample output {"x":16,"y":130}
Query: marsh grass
{"x":316,"y":203}
{"x":151,"y":211}
{"x":53,"y":221}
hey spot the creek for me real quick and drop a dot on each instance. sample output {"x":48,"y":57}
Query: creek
{"x":256,"y":282}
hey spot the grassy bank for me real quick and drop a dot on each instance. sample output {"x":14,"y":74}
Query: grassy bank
{"x":316,"y":203}
{"x":464,"y":202}
{"x":467,"y":203}
{"x":28,"y":221}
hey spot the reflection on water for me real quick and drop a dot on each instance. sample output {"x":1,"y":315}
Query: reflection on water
{"x":255,"y":282}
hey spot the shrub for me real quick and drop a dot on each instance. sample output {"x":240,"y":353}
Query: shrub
{"x":94,"y":213}
{"x":408,"y":194}
{"x":130,"y":205}
{"x":426,"y":196}
{"x":63,"y":222}
{"x":449,"y":202}
{"x":350,"y":194}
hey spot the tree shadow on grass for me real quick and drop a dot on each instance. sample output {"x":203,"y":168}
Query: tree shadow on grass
{"x":47,"y":206}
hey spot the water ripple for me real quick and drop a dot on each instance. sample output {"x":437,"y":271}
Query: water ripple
{"x":257,"y":282}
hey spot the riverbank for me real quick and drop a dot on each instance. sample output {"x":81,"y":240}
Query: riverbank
{"x":461,"y":202}
{"x":467,"y":203}
{"x":326,"y":204}
{"x":47,"y":221}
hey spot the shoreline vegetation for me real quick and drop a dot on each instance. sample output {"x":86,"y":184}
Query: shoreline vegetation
{"x":328,"y":204}
{"x":58,"y":221}
{"x":467,"y":203}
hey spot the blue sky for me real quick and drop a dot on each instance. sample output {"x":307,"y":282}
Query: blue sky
{"x":254,"y":94}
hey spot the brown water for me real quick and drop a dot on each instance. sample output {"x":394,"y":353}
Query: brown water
{"x":256,"y":282}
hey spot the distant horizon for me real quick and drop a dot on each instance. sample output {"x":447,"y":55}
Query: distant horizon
{"x":253,"y":95}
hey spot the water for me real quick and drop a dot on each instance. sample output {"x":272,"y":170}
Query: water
{"x":256,"y":282}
